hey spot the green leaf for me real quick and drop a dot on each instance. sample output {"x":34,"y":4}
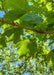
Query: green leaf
{"x":2,"y":42}
{"x":13,"y":34}
{"x":29,"y":48}
{"x":13,"y":15}
{"x":32,"y":17}
{"x":16,"y":4}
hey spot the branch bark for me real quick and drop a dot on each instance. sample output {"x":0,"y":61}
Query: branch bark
{"x":13,"y":24}
{"x":3,"y":7}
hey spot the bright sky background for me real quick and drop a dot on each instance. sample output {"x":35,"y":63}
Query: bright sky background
{"x":1,"y":14}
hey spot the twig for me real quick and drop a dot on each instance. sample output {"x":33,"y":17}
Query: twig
{"x":3,"y":7}
{"x":13,"y":24}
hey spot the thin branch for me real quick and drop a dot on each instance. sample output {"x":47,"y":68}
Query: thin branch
{"x":3,"y":7}
{"x":41,"y":32}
